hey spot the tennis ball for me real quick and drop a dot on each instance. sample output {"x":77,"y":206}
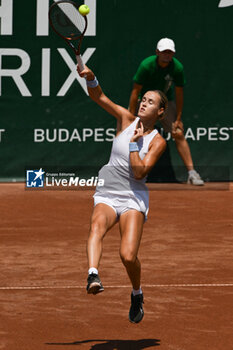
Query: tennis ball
{"x":84,"y":10}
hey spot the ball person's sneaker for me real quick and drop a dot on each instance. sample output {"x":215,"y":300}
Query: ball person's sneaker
{"x":94,"y":284}
{"x":136,"y":312}
{"x":195,"y":179}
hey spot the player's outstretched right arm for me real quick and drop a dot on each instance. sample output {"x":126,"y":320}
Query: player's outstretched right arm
{"x":97,"y":95}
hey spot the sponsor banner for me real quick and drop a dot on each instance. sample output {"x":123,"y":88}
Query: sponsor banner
{"x":47,"y":116}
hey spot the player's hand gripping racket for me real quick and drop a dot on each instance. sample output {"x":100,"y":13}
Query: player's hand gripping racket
{"x":69,"y":24}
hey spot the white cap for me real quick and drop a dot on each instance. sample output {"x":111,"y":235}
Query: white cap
{"x":166,"y":44}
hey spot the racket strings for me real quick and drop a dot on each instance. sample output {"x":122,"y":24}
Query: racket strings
{"x":67,"y":21}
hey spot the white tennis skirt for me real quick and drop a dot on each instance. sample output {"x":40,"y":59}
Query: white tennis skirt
{"x":124,"y":202}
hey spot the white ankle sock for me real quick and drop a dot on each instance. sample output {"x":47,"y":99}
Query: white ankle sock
{"x":137,"y":292}
{"x":92,"y":270}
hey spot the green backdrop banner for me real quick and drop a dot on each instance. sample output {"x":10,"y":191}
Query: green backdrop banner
{"x":47,"y":119}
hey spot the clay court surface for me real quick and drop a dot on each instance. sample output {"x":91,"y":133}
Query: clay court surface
{"x":187,"y":273}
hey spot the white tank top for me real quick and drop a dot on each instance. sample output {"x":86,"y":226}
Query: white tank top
{"x":120,"y":149}
{"x":117,"y":173}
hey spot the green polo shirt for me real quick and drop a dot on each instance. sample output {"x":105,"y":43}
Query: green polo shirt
{"x":153,"y":77}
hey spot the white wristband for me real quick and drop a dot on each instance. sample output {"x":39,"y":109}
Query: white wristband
{"x":133,"y":147}
{"x":92,"y":83}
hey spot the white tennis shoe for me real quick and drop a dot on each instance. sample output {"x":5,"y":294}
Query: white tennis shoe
{"x":195,"y":179}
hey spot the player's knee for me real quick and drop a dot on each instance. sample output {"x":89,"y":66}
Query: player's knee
{"x":127,"y":257}
{"x":98,"y":227}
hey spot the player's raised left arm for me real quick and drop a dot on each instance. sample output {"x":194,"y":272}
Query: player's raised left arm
{"x":141,"y":167}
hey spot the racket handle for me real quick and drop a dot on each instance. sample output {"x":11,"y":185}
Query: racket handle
{"x":80,"y":62}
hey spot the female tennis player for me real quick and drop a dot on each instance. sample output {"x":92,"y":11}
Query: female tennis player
{"x":124,"y":196}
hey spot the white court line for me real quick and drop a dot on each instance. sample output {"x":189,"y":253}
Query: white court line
{"x":121,"y":286}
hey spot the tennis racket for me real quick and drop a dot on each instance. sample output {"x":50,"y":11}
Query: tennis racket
{"x":69,"y":24}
